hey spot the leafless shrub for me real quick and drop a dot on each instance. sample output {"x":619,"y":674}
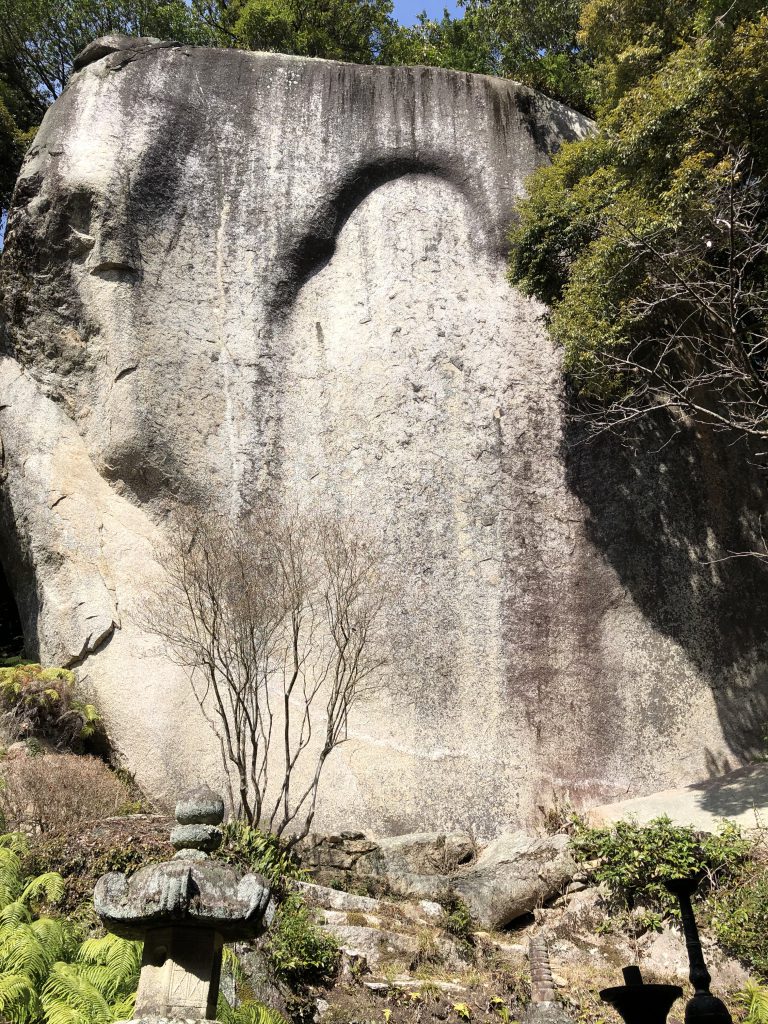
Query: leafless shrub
{"x":55,"y":790}
{"x":276,"y":616}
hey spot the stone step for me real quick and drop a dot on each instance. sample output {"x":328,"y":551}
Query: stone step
{"x":414,"y":985}
{"x":422,"y":912}
{"x":376,"y":945}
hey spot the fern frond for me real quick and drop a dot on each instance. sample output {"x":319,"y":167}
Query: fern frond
{"x":14,"y":914}
{"x":123,"y":1010}
{"x":22,"y":952}
{"x":14,"y":841}
{"x":57,"y":935}
{"x":11,"y":877}
{"x":231,"y":964}
{"x":120,"y":958}
{"x":251,"y":1011}
{"x":224,"y":1012}
{"x":69,"y":998}
{"x":18,"y":998}
{"x":754,"y":999}
{"x":49,"y":885}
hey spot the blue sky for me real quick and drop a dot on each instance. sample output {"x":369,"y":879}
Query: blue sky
{"x":407,"y":10}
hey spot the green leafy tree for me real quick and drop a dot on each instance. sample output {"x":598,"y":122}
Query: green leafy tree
{"x":462,"y":44}
{"x":648,"y":238}
{"x":352,"y":30}
{"x":535,"y":42}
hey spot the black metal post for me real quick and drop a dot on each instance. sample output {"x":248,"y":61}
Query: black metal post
{"x":702,"y":1007}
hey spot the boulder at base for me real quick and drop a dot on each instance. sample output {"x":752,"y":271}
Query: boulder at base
{"x":516,"y":873}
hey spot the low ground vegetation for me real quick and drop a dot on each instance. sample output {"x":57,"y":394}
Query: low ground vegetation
{"x":52,"y":791}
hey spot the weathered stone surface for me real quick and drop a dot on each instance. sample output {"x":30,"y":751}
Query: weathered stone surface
{"x":200,"y":807}
{"x":336,"y":899}
{"x":378,"y":945}
{"x":203,"y":893}
{"x":419,"y":853}
{"x":513,"y":875}
{"x":106,"y":45}
{"x":547,"y":1013}
{"x":230,"y":276}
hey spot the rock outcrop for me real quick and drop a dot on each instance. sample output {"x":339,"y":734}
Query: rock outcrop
{"x":231,"y":277}
{"x":515,"y":874}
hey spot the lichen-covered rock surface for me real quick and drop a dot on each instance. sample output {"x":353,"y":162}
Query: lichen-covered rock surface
{"x":231,"y":277}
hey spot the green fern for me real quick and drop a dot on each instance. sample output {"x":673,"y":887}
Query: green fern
{"x":753,"y":998}
{"x":18,"y":998}
{"x":250,"y":1011}
{"x":70,"y":998}
{"x":98,"y":987}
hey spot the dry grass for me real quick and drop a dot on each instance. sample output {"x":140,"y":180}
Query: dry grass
{"x":51,"y":791}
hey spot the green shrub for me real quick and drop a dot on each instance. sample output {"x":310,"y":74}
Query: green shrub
{"x":738,"y":916}
{"x":297,"y":950}
{"x":250,"y":848}
{"x":250,"y":1011}
{"x":634,"y":861}
{"x":43,"y":703}
{"x":458,"y":920}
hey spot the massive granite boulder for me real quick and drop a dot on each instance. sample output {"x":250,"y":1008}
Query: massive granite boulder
{"x":233,"y":276}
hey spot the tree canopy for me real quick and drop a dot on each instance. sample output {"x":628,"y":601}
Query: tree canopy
{"x":648,"y":239}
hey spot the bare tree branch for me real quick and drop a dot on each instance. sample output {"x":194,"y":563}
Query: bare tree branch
{"x":277,"y":619}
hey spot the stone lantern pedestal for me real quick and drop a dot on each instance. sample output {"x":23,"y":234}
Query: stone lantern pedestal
{"x":184,"y":911}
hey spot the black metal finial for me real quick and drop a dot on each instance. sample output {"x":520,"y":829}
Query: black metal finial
{"x":638,"y":1003}
{"x":702,"y":1007}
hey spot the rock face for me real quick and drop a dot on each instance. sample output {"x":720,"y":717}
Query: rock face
{"x":233,"y":276}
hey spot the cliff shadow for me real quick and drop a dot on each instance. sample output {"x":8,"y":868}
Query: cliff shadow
{"x":665,"y":508}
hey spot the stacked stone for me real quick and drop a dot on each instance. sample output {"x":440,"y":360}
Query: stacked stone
{"x":198,"y":815}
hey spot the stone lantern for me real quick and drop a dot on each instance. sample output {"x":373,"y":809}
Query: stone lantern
{"x":184,"y":910}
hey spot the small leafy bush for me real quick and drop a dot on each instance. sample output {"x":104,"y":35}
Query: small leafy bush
{"x":634,"y":861}
{"x":43,"y":703}
{"x":250,"y":848}
{"x":55,"y":790}
{"x":296,"y":949}
{"x":458,"y":920}
{"x":738,"y":916}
